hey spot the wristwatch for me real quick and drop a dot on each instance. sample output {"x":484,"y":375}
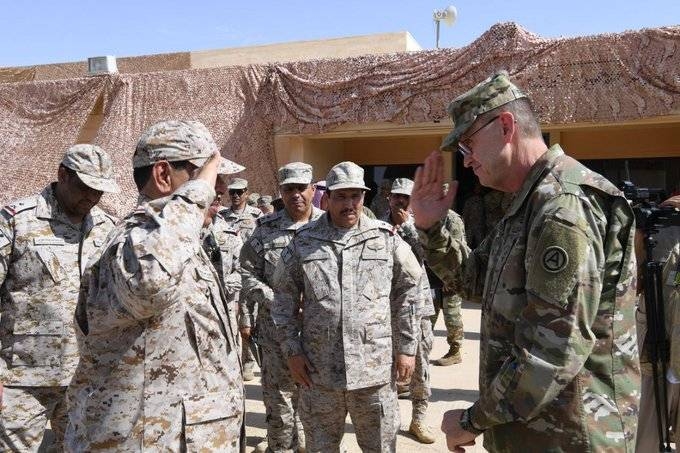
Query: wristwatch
{"x":466,"y":423}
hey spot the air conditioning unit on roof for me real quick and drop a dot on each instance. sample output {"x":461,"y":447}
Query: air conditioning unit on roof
{"x":101,"y":65}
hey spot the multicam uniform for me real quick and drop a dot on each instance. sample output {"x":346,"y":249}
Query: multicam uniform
{"x":447,"y":300}
{"x":159,"y":369}
{"x":222,"y":244}
{"x":558,"y":354}
{"x":357,"y":285}
{"x":259,"y":257}
{"x":42,"y":256}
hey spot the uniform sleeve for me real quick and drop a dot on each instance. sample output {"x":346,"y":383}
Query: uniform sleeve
{"x":289,"y":282}
{"x":232,"y":277}
{"x":446,"y":253}
{"x":255,"y":291}
{"x":6,"y":240}
{"x":554,"y":331}
{"x":405,"y":296}
{"x":150,"y":262}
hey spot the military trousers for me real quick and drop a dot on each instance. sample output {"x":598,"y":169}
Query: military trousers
{"x":647,"y":431}
{"x":24,"y":415}
{"x":450,"y":304}
{"x":279,"y":392}
{"x":374,"y":412}
{"x":420,"y":380}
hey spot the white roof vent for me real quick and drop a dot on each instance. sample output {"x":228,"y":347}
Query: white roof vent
{"x":101,"y":65}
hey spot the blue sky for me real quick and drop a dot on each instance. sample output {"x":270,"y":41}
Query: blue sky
{"x":40,"y":31}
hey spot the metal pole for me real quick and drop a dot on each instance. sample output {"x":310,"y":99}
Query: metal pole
{"x":437,"y":34}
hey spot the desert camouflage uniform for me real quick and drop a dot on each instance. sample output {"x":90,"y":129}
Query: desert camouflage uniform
{"x":357,"y":285}
{"x":259,"y":257}
{"x":159,"y":369}
{"x":222,"y":244}
{"x":558,"y":353}
{"x":244,"y":222}
{"x":420,"y":380}
{"x":42,"y":256}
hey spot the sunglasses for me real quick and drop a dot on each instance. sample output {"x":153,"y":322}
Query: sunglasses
{"x":465,"y":149}
{"x":236,"y":191}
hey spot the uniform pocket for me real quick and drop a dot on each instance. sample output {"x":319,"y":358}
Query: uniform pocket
{"x":316,"y":266}
{"x":212,"y":422}
{"x":37,"y":343}
{"x":50,"y":260}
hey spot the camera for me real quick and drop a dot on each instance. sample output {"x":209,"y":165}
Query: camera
{"x":649,"y":216}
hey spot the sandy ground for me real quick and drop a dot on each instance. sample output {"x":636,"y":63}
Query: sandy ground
{"x":452,"y":387}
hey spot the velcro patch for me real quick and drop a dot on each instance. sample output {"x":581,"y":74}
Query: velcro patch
{"x":559,"y":252}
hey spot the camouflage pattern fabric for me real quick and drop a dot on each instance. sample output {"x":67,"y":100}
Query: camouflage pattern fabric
{"x":420,"y":380}
{"x":159,"y":369}
{"x":244,"y":222}
{"x":358,"y":286}
{"x":374,"y":412}
{"x":380,"y":205}
{"x":495,"y":205}
{"x":450,"y":305}
{"x":42,"y":255}
{"x":259,"y":257}
{"x":26,"y":411}
{"x":474,"y":219}
{"x":558,"y":353}
{"x":222,"y":244}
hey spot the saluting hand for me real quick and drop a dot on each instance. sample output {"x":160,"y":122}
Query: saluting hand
{"x":208,"y":172}
{"x":429,"y":202}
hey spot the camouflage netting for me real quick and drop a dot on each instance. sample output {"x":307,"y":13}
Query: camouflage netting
{"x":597,"y":79}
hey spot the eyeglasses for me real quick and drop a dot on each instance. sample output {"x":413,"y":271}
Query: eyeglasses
{"x":236,"y":191}
{"x":465,"y":149}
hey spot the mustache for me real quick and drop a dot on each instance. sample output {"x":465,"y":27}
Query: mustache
{"x":347,"y":211}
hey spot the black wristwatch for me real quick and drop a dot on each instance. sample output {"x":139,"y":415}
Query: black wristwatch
{"x":466,"y":423}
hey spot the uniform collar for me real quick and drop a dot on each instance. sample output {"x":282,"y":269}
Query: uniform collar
{"x":543,"y":165}
{"x":48,"y":207}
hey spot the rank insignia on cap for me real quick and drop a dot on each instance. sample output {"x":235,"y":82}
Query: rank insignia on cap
{"x":555,"y":259}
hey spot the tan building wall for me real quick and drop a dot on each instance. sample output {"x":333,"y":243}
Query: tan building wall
{"x":306,"y":50}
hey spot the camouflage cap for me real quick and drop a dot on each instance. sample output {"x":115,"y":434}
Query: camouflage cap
{"x":173,"y":141}
{"x":346,"y":175}
{"x":92,"y":165}
{"x":320,"y":185}
{"x":295,"y":173}
{"x":264,"y":200}
{"x":228,"y":167}
{"x":492,"y":93}
{"x":402,"y":186}
{"x":238,"y":184}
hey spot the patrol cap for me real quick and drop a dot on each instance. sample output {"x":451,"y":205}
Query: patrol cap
{"x":402,"y":186}
{"x":346,"y":175}
{"x":492,"y":93}
{"x":320,"y":185}
{"x":92,"y":165}
{"x":228,"y":167}
{"x":264,"y":200}
{"x":178,"y":140}
{"x":238,"y":184}
{"x":295,"y":173}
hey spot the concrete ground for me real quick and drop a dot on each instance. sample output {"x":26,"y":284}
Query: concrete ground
{"x":452,"y":387}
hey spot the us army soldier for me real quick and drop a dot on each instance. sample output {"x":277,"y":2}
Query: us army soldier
{"x":358,"y":282}
{"x":259,"y":257}
{"x":45,"y":242}
{"x":419,"y":388}
{"x":222,"y":244}
{"x":558,"y":365}
{"x":158,"y":368}
{"x":241,"y":216}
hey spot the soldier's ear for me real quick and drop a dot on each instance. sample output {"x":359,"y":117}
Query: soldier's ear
{"x":62,"y":175}
{"x":161,"y":177}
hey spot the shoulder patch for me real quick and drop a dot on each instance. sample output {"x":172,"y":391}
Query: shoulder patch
{"x":18,"y":206}
{"x":560,"y":252}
